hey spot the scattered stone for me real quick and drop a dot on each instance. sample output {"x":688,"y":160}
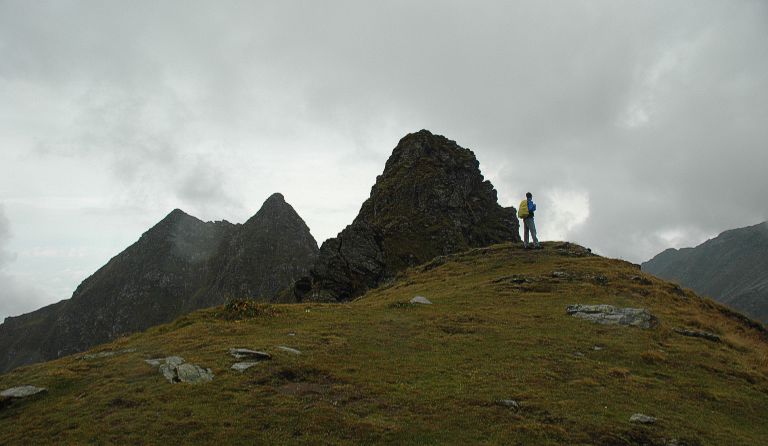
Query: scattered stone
{"x":289,"y":349}
{"x":421,"y":300}
{"x":175,"y":370}
{"x":597,"y":348}
{"x":608,"y":314}
{"x":22,"y":391}
{"x":107,"y":354}
{"x":642,"y":419}
{"x":578,"y":354}
{"x":512,"y":404}
{"x":513,"y":279}
{"x":291,"y":334}
{"x":243,"y":366}
{"x":559,"y":274}
{"x":244,"y":353}
{"x":602,"y":279}
{"x":697,"y":334}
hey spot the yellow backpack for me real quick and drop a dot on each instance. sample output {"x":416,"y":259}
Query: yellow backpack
{"x":522,"y":211}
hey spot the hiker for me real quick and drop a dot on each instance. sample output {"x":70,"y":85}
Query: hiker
{"x":525,"y":212}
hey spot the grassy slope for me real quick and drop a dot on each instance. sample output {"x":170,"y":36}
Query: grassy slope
{"x":379,"y":371}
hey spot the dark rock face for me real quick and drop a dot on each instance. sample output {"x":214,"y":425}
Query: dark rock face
{"x":179,"y":265}
{"x":731,"y":268}
{"x":431,"y":200}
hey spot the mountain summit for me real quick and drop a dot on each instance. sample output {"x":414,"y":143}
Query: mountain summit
{"x":179,"y":265}
{"x":431,"y":200}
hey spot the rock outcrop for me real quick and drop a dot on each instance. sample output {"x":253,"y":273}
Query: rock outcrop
{"x":431,"y":200}
{"x":610,"y":315}
{"x":179,"y":265}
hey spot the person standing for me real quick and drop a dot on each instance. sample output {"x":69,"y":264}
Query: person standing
{"x":527,"y":209}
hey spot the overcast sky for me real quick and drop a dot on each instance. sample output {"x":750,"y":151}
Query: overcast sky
{"x":638,"y":126}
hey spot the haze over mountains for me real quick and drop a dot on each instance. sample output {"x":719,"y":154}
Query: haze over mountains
{"x":731,"y":268}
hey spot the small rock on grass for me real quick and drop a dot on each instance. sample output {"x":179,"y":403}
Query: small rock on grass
{"x":241,"y":353}
{"x":642,"y":419}
{"x":22,"y":391}
{"x":289,"y":349}
{"x":512,"y":404}
{"x":421,"y":300}
{"x":243,"y":366}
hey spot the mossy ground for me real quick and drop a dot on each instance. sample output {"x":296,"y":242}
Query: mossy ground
{"x":379,"y":370}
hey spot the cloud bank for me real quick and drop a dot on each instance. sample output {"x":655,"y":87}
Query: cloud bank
{"x":637,"y":125}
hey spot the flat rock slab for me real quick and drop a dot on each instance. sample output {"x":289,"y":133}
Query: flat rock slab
{"x":245,"y":353}
{"x":107,"y":354}
{"x":243,"y":366}
{"x":289,"y":349}
{"x":610,"y":315}
{"x":22,"y":391}
{"x":175,"y":370}
{"x":697,"y":334}
{"x":642,"y":419}
{"x":421,"y":300}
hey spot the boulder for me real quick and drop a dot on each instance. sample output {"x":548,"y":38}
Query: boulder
{"x":610,"y":315}
{"x":175,"y":370}
{"x":22,"y":391}
{"x":193,"y":374}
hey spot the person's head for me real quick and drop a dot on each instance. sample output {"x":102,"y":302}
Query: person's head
{"x":528,"y":195}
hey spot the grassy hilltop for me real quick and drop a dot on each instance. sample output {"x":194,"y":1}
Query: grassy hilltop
{"x":381,"y":370}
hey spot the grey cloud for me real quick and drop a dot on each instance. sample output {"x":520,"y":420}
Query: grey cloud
{"x":655,"y":111}
{"x":16,"y":297}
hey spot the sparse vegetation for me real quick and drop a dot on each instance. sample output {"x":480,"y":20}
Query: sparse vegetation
{"x":239,"y":309}
{"x":371,"y":373}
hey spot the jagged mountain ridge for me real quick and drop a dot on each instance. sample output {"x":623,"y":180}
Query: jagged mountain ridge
{"x":732,"y":268}
{"x":179,"y":265}
{"x":431,"y":200}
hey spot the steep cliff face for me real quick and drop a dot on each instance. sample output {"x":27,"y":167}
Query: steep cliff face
{"x":731,"y":268}
{"x":179,"y":265}
{"x":430,"y":200}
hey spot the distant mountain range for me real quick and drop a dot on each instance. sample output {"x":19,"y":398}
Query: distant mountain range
{"x":731,"y":268}
{"x":179,"y":265}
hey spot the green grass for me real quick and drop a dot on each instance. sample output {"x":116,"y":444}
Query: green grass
{"x":380,"y":371}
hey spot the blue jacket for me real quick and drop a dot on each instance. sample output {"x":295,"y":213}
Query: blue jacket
{"x":531,"y":207}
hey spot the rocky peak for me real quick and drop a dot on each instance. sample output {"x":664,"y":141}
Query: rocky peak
{"x":275,"y":210}
{"x":430,"y":200}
